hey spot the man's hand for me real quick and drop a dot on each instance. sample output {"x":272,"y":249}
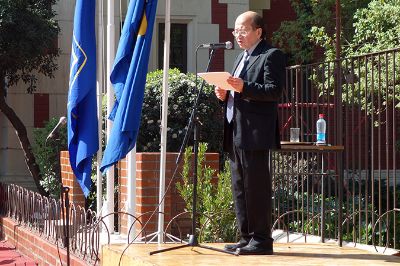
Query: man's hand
{"x":220,"y":93}
{"x":236,"y":83}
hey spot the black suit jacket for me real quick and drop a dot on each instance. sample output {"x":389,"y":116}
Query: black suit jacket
{"x":255,"y":117}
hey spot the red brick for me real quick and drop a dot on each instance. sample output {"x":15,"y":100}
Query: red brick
{"x":147,"y":182}
{"x":123,"y":172}
{"x":147,"y":200}
{"x":33,"y":245}
{"x":122,"y":164}
{"x":147,"y":174}
{"x":146,"y":156}
{"x":147,"y":185}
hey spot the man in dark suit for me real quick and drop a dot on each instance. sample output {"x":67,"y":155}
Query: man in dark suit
{"x":251,"y":130}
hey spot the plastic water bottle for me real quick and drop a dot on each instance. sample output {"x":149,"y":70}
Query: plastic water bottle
{"x":321,"y":130}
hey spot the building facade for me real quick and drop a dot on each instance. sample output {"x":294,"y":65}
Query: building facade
{"x":194,"y":22}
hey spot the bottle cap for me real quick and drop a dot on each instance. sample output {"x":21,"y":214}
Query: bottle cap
{"x":321,"y":115}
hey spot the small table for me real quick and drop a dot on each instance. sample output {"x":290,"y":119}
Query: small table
{"x":288,"y":163}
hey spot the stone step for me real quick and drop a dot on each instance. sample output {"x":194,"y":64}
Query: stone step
{"x":23,"y":181}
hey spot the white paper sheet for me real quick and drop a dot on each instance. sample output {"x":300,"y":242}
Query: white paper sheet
{"x":217,"y":79}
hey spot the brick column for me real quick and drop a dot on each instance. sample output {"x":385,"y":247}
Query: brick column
{"x":68,"y":179}
{"x":123,"y":194}
{"x":147,"y":188}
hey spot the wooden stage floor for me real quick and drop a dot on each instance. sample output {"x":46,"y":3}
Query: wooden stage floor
{"x":284,"y":254}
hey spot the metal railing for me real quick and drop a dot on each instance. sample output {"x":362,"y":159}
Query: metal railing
{"x":69,"y":226}
{"x":360,"y":97}
{"x":72,"y":228}
{"x":306,"y":195}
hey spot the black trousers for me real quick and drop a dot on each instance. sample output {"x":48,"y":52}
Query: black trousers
{"x":252,"y":192}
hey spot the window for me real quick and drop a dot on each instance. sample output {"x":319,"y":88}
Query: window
{"x":40,"y":109}
{"x":178,"y":46}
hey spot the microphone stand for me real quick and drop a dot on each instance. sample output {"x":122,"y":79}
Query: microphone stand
{"x":193,"y":124}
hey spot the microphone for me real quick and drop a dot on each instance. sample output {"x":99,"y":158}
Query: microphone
{"x":224,"y":45}
{"x":61,"y":123}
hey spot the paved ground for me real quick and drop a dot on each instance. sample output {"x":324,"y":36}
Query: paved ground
{"x":9,"y":256}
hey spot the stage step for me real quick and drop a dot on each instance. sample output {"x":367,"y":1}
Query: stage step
{"x":284,"y":254}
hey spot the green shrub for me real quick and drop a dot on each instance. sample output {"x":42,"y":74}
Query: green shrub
{"x":46,"y":154}
{"x":214,"y":198}
{"x":47,"y":157}
{"x":182,"y":94}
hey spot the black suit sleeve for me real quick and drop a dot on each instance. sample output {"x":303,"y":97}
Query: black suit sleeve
{"x":265,"y":81}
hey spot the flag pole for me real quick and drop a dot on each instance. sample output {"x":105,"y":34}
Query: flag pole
{"x":164,"y":117}
{"x":110,"y":103}
{"x":128,"y":77}
{"x":131,"y":186}
{"x":131,"y":190}
{"x":100,"y":86}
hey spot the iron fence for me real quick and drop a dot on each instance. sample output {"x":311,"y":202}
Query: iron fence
{"x":360,"y":99}
{"x":52,"y":220}
{"x":355,"y":195}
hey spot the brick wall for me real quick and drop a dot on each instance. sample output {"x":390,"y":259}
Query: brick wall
{"x":35,"y":247}
{"x":68,"y":179}
{"x":147,"y":189}
{"x":280,"y":11}
{"x":360,"y":136}
{"x":219,"y":16}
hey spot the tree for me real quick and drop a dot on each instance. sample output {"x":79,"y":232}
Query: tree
{"x":28,"y":47}
{"x":375,"y":29}
{"x":313,"y":32}
{"x":367,"y":26}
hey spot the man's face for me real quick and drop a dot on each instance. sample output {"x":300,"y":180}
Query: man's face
{"x":246,"y":36}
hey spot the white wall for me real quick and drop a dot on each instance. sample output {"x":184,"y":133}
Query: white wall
{"x":196,"y":13}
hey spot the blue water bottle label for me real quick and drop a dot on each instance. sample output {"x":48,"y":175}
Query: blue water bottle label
{"x":321,"y":137}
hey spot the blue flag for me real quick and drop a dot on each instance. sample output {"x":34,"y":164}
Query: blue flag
{"x":83,"y":141}
{"x":128,"y":77}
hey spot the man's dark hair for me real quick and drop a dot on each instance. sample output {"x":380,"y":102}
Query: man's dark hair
{"x":258,"y":22}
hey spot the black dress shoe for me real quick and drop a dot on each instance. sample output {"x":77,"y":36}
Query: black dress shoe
{"x":234,"y":247}
{"x":254,"y":250}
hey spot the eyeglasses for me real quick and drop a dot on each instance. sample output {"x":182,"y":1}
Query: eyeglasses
{"x":238,"y":33}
